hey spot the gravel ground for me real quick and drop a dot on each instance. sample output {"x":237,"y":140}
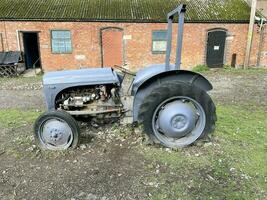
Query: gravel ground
{"x":107,"y":164}
{"x":238,"y":88}
{"x":229,"y":88}
{"x":21,"y":93}
{"x":28,"y":99}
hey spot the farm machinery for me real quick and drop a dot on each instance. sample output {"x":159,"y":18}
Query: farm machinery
{"x":172,"y":105}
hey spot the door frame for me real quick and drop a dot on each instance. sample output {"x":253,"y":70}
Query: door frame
{"x":206,"y":46}
{"x":101,"y":43}
{"x":2,"y":43}
{"x":21,"y":44}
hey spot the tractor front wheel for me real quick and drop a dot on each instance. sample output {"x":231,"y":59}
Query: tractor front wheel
{"x":56,"y":130}
{"x":176,"y":114}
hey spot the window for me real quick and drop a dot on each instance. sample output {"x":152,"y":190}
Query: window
{"x":61,"y":42}
{"x":159,"y":41}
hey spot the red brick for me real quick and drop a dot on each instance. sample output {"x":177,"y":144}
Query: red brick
{"x":137,"y":50}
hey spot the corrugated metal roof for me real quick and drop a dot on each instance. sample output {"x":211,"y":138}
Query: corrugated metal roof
{"x":123,"y":10}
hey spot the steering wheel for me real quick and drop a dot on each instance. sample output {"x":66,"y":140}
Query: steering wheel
{"x":124,"y":70}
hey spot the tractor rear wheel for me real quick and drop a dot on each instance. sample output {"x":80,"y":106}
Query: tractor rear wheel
{"x":176,"y":114}
{"x":56,"y":130}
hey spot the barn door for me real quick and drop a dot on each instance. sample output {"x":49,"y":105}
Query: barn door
{"x":112,"y":47}
{"x":215,"y":48}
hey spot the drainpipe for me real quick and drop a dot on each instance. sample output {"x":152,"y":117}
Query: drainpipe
{"x":261,"y":22}
{"x":250,"y":33}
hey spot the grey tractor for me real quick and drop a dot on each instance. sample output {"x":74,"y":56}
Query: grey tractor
{"x":171,"y":104}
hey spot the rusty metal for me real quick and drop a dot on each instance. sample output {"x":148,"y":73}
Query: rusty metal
{"x":87,"y":112}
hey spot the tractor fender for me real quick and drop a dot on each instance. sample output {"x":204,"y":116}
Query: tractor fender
{"x":143,"y":87}
{"x":148,"y":74}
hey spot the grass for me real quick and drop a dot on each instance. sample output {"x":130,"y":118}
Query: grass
{"x":201,"y":68}
{"x":233,"y":166}
{"x":16,"y":133}
{"x":15,"y":117}
{"x":228,"y":69}
{"x":244,"y":72}
{"x":19,"y":135}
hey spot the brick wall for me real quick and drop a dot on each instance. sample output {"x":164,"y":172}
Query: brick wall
{"x":137,"y":43}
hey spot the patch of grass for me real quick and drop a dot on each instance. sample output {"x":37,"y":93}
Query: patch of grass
{"x":19,"y":135}
{"x":233,"y":166}
{"x":245,"y":131}
{"x":201,"y":68}
{"x":13,"y":118}
{"x":244,"y":72}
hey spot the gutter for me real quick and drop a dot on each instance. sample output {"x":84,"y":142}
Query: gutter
{"x":119,"y":20}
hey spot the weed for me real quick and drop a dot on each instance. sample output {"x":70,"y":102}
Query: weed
{"x":201,"y":68}
{"x":15,"y":117}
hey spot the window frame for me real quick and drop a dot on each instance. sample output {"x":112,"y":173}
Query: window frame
{"x":166,"y":40}
{"x":51,"y":38}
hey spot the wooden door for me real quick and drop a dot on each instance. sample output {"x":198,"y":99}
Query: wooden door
{"x":215,"y":48}
{"x":112,"y":47}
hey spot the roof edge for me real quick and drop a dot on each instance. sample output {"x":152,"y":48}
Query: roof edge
{"x":120,"y":20}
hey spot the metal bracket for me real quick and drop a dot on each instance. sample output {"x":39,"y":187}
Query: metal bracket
{"x":180,"y":11}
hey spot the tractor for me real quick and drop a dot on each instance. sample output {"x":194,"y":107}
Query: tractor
{"x":172,"y":105}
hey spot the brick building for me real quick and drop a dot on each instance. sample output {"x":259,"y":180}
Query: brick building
{"x":76,"y":34}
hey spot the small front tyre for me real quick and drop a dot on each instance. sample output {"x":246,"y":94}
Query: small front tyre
{"x":176,"y":114}
{"x":56,"y":130}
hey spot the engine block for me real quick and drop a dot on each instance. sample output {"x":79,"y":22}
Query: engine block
{"x":99,"y":102}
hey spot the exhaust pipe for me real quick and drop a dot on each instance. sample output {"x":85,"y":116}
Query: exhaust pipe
{"x":181,"y":13}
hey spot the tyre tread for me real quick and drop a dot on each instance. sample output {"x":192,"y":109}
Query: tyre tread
{"x":175,"y":88}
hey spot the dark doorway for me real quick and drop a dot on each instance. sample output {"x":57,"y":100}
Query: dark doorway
{"x":215,"y":48}
{"x":31,"y":50}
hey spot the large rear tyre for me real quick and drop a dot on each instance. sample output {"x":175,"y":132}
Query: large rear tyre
{"x":176,"y":114}
{"x":56,"y":130}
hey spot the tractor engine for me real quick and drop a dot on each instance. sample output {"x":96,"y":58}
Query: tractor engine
{"x":101,"y":102}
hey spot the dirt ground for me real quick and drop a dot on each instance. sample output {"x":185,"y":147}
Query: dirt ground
{"x":108,"y":165}
{"x":232,"y":87}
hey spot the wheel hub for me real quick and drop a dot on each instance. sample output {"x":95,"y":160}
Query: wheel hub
{"x":179,"y":122}
{"x":56,"y":133}
{"x":177,"y":119}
